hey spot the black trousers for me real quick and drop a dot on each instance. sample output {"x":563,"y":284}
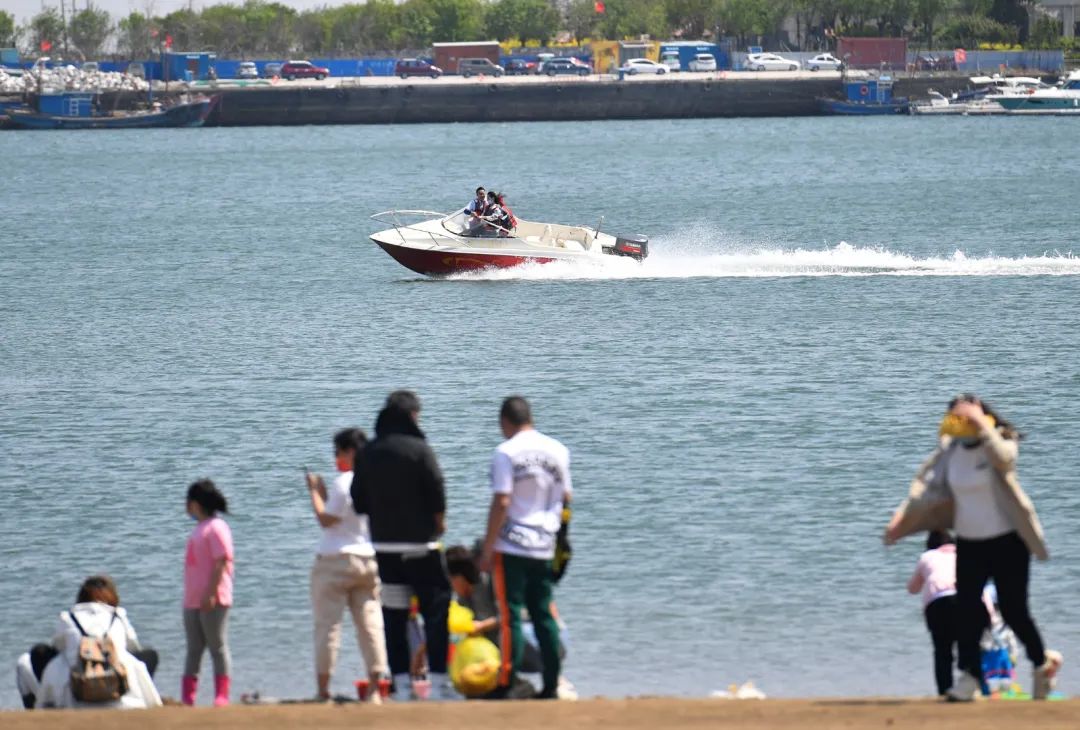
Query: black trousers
{"x":1007,"y":560}
{"x":941,"y":620}
{"x":425,"y":577}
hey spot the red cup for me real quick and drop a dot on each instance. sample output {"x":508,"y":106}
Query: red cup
{"x":363,"y":686}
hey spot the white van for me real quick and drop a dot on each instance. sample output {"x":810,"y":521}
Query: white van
{"x":671,"y":60}
{"x":703,"y":62}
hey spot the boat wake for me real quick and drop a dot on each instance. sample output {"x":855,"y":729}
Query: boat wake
{"x":666,"y":262}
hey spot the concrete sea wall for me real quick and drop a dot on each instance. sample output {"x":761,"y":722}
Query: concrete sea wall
{"x":395,"y":101}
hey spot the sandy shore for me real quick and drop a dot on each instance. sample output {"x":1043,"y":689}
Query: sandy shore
{"x":635,"y":713}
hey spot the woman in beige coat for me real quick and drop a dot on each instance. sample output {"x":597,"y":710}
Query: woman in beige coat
{"x":969,"y":484}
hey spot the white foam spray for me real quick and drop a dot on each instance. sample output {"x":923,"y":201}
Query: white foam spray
{"x":671,"y":258}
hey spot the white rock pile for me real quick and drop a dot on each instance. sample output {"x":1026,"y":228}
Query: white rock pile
{"x":70,"y":78}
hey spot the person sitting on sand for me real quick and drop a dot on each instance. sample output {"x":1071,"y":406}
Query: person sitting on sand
{"x":43,"y":674}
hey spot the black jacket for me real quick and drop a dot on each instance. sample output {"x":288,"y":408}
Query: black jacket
{"x":397,"y":482}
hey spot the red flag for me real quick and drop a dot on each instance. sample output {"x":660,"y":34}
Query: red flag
{"x":599,"y":7}
{"x":168,"y":41}
{"x":960,"y":55}
{"x":46,"y":45}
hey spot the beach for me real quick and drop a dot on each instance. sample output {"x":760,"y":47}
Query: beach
{"x":896,"y":714}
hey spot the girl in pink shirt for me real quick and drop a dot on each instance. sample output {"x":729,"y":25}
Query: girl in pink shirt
{"x":208,"y":581}
{"x":935,"y":578}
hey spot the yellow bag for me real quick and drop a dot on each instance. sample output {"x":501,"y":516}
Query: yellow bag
{"x":461,"y":620}
{"x":475,"y":669}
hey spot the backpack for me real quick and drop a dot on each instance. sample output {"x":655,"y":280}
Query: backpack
{"x":98,"y":674}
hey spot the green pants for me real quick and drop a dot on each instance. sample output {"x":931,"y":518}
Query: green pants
{"x":526,"y":583}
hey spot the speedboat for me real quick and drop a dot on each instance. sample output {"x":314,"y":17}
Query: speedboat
{"x":1064,"y":99}
{"x":441,"y":244}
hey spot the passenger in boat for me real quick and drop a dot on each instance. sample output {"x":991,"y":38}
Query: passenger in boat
{"x":509,"y":222}
{"x":494,"y":216}
{"x":475,"y":212}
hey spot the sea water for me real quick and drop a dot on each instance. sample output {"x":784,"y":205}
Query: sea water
{"x":744,"y":409}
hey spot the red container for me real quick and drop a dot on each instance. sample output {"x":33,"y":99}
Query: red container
{"x":889,"y":53}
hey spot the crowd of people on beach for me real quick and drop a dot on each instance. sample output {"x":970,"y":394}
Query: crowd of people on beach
{"x":380,"y":554}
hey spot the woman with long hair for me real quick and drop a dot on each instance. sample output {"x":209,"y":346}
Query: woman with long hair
{"x":969,"y":484}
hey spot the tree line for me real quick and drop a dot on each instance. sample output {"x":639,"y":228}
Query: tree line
{"x":263,"y":29}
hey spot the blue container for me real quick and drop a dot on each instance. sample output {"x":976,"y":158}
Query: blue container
{"x":67,"y":104}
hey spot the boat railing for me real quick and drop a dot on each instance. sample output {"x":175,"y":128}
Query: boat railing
{"x":391,"y":217}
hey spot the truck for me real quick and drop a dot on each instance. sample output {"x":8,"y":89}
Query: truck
{"x":677,"y":55}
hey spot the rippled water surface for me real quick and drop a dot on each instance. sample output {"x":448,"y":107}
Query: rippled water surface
{"x":744,"y":409}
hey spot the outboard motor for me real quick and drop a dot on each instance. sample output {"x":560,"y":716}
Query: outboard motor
{"x":635,"y":246}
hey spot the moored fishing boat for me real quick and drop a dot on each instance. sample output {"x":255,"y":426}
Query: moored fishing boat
{"x":77,"y":110}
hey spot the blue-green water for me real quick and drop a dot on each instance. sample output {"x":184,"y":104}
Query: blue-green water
{"x":744,"y":410}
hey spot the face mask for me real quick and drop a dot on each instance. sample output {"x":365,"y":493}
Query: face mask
{"x":343,"y":463}
{"x":962,"y":428}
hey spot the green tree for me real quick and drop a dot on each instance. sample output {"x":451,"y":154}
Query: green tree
{"x":967,"y":31}
{"x":185,"y":28}
{"x":134,"y":38}
{"x":582,"y":19}
{"x":633,"y":18}
{"x":46,"y":26}
{"x":927,"y":12}
{"x":689,"y":16}
{"x":313,"y":33}
{"x":1045,"y":33}
{"x":223,"y":29}
{"x":417,"y":23}
{"x":456,"y":20}
{"x":89,"y":29}
{"x":268,"y":28}
{"x":7,"y":29}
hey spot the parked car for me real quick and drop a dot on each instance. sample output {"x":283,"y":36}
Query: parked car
{"x":520,"y":67}
{"x":476,"y":66}
{"x":770,"y":62}
{"x":247,"y":70}
{"x":272,"y":69}
{"x":407,"y":67}
{"x":702,"y":62}
{"x":824,"y":60}
{"x":671,"y":60}
{"x":643,"y":66}
{"x":541,"y":59}
{"x":303,"y":70}
{"x":566,"y":65}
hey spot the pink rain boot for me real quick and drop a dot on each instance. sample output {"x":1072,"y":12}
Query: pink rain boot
{"x":189,"y":684}
{"x":221,"y":691}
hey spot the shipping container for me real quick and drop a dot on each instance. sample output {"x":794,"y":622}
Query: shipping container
{"x":9,"y":57}
{"x":880,"y":53}
{"x":686,"y":50}
{"x":447,"y":55}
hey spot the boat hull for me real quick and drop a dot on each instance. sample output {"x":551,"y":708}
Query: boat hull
{"x":444,"y":262}
{"x":861,"y":108}
{"x":1050,"y":104}
{"x":181,"y":115}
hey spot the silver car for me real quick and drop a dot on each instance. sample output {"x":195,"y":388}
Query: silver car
{"x":770,"y":62}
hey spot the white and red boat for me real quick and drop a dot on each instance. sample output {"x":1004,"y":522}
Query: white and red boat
{"x":440,"y":244}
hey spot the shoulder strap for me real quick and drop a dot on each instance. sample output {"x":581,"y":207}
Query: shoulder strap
{"x":71,"y":615}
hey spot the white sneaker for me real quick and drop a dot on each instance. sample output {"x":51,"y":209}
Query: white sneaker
{"x":965,"y":690}
{"x":442,"y":689}
{"x":1046,"y":675}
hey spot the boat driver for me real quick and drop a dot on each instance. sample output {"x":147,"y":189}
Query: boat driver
{"x":475,"y":212}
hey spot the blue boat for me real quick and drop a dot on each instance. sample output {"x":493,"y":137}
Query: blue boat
{"x":76,"y":110}
{"x":866,"y":96}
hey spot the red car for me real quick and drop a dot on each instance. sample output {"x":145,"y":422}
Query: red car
{"x":303,"y":70}
{"x":407,"y":67}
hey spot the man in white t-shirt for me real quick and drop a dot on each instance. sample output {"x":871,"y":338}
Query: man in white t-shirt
{"x":345,"y":573}
{"x":530,"y":482}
